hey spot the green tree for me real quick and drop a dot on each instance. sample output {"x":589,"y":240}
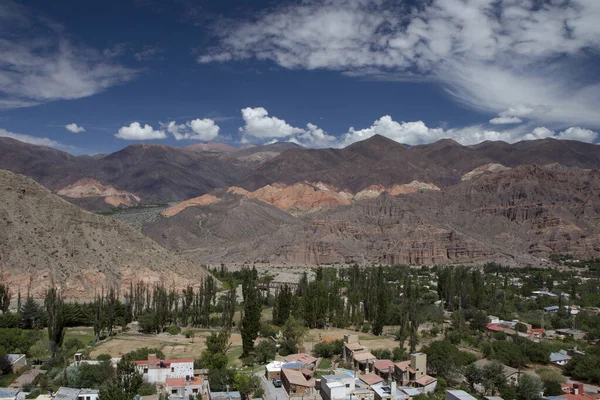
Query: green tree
{"x":54,"y":305}
{"x":552,"y":388}
{"x":265,"y":351}
{"x":126,"y":384}
{"x":493,"y":377}
{"x":530,"y":387}
{"x":31,"y":315}
{"x":5,"y":296}
{"x":250,"y":325}
{"x":292,"y":332}
{"x":474,"y":376}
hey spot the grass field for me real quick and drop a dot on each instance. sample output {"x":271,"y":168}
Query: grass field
{"x":325,"y":364}
{"x":85,"y":335}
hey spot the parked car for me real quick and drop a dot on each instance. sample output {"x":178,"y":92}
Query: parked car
{"x":277,"y":382}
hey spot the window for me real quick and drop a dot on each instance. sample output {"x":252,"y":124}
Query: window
{"x":347,"y":385}
{"x":173,"y":391}
{"x":145,"y":370}
{"x":172,"y":369}
{"x":194,"y":390}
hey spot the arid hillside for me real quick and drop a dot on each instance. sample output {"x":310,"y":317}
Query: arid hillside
{"x":516,"y":216}
{"x":45,"y":240}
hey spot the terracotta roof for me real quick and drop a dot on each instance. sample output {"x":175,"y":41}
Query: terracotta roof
{"x":538,"y":330}
{"x":180,"y":382}
{"x":306,"y":372}
{"x":301,"y":357}
{"x":403,"y":365}
{"x":426,"y":380}
{"x":494,"y":328}
{"x":371,"y":378}
{"x":296,"y":378}
{"x":583,"y":396}
{"x":364,"y":356}
{"x":383,"y":365}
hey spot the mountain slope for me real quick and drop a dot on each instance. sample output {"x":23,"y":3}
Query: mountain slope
{"x":375,"y":161}
{"x":44,"y":239}
{"x":515,"y":216}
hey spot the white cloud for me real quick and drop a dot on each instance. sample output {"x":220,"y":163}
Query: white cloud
{"x":417,"y":132}
{"x":197,"y":129}
{"x":38,"y":141}
{"x":505,"y":120}
{"x":577,"y":133}
{"x":136,"y":132}
{"x":260,"y":125}
{"x":73,"y":127}
{"x":514,"y":58}
{"x":40,"y":64}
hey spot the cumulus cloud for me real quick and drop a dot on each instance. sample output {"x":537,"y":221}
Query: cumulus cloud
{"x":38,"y":141}
{"x":524,"y":58}
{"x":136,"y":132}
{"x":505,"y":120}
{"x":40,"y":64}
{"x":577,"y":133}
{"x":197,"y":129}
{"x":259,"y":124}
{"x":411,"y":133}
{"x":73,"y":127}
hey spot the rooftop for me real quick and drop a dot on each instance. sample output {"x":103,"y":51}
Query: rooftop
{"x":371,"y":378}
{"x":364,"y":356}
{"x":180,"y":382}
{"x":296,"y":378}
{"x":460,"y":394}
{"x":383,"y":365}
{"x":301,"y":357}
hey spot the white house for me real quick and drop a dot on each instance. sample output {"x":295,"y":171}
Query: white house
{"x":337,"y":387}
{"x":561,"y":358}
{"x":155,"y":370}
{"x":65,"y":393}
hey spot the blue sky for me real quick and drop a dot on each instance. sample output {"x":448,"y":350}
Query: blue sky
{"x":95,"y":78}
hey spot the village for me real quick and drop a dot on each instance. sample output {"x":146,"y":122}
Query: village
{"x":451,"y":355}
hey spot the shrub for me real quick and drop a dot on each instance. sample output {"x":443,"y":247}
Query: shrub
{"x":103,"y":357}
{"x":173,"y":330}
{"x":142,"y":354}
{"x":188,"y":334}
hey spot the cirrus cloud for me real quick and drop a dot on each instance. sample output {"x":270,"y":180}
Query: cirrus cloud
{"x":490,"y":55}
{"x":39,"y":62}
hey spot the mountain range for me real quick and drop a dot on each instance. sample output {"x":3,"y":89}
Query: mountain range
{"x":375,"y":201}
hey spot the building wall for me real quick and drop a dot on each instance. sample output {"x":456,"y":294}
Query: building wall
{"x":418,"y":362}
{"x":160,"y":375}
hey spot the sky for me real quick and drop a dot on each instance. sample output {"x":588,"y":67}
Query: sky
{"x":95,"y":76}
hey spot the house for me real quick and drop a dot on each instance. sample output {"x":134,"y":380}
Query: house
{"x":295,"y":383}
{"x":384,"y":391}
{"x":384,"y":368}
{"x":575,"y":334}
{"x":307,"y":360}
{"x":494,"y":328}
{"x":338,"y":386}
{"x":273,"y":370}
{"x":551,"y":309}
{"x":182,"y":388}
{"x":458,"y":395}
{"x":371,"y":379}
{"x":65,"y":393}
{"x":407,"y":372}
{"x":572,"y":388}
{"x":492,"y":319}
{"x":363,"y":361}
{"x":155,"y":370}
{"x":544,"y":293}
{"x":225,"y":396}
{"x":426,"y":383}
{"x":561,"y":358}
{"x":511,"y":374}
{"x":537,"y":334}
{"x":17,"y":361}
{"x":8,"y":394}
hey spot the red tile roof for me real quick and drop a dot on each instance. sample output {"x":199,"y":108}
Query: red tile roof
{"x":403,"y":365}
{"x":426,"y":380}
{"x":180,"y":382}
{"x":301,"y":357}
{"x":494,"y":328}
